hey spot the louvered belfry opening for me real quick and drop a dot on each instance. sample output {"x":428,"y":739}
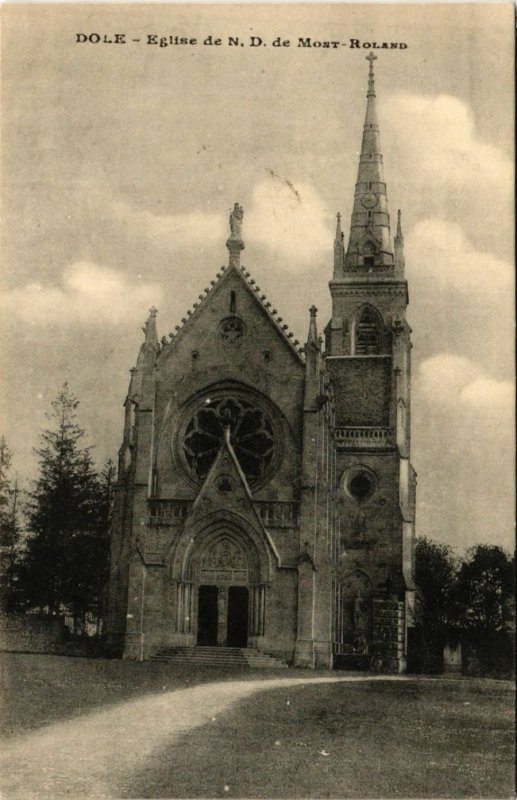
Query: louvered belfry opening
{"x":368,"y":335}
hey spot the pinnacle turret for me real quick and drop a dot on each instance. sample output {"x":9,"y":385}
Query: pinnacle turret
{"x":149,"y":329}
{"x":149,"y":347}
{"x":369,"y":245}
{"x":312,"y":336}
{"x":399,"y":246}
{"x":339,"y":249}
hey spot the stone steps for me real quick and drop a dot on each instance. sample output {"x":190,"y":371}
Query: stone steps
{"x":219,"y":657}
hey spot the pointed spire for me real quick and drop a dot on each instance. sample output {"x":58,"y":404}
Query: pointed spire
{"x":369,"y":245}
{"x":400,"y":262}
{"x":339,"y":249}
{"x":235,"y":243}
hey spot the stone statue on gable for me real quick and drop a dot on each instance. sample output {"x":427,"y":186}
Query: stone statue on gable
{"x":236,"y":221}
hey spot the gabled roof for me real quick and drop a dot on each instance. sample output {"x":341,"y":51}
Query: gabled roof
{"x":251,"y":286}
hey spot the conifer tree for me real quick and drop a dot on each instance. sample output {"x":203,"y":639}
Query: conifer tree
{"x":63,"y":515}
{"x":90,"y":551}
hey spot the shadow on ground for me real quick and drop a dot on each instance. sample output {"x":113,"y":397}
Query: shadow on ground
{"x":424,"y":738}
{"x":80,"y":727}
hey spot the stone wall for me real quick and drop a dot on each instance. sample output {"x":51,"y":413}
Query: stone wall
{"x":32,"y":633}
{"x":362,"y":390}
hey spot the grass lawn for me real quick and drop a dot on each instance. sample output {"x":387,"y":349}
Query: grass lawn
{"x":420,"y":738}
{"x":38,"y":689}
{"x":377,"y":740}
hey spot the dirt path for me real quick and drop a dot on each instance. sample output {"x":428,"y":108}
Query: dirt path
{"x":94,"y":755}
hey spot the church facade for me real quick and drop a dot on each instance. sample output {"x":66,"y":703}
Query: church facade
{"x":265,"y":495}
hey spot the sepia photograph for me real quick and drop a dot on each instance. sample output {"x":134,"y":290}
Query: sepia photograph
{"x":257,"y":409}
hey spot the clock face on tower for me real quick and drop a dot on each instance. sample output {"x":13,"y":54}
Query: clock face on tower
{"x":251,"y":436}
{"x":369,"y":200}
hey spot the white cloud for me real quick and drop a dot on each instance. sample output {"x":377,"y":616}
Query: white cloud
{"x":288,"y":219}
{"x":486,"y":393}
{"x":439,"y":250}
{"x":438,"y":136}
{"x":450,"y":379}
{"x":174,"y":231}
{"x":291,"y":220}
{"x":89,"y":294}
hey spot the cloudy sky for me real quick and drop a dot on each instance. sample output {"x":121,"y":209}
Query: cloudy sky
{"x":121,"y":163}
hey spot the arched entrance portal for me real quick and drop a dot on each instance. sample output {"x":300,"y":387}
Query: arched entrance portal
{"x":222,"y":608}
{"x":221,"y":571}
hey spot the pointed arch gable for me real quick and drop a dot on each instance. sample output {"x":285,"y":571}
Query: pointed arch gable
{"x":187,"y":553}
{"x":357,"y":580}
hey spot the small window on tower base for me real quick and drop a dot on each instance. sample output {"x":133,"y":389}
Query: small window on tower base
{"x":369,"y":261}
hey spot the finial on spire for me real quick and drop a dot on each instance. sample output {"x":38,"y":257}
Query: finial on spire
{"x":235,"y":243}
{"x":399,"y":225}
{"x":371,"y":77}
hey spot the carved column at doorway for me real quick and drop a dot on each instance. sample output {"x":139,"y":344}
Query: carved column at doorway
{"x":222,"y":615}
{"x":184,"y":608}
{"x":257,"y":610}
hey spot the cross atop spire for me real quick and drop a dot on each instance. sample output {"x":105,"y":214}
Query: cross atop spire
{"x":371,"y":77}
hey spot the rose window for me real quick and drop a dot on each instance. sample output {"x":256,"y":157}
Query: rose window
{"x":232,"y":329}
{"x":251,"y":436}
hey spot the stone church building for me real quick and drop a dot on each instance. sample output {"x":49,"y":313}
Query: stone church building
{"x":265,"y":496}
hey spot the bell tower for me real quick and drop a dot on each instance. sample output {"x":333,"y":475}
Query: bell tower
{"x":368,"y":352}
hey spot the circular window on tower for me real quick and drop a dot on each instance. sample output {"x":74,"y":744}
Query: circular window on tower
{"x":359,"y":483}
{"x":252,"y":432}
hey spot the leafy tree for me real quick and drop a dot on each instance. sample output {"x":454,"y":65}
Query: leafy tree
{"x":67,"y":516}
{"x":472,"y":600}
{"x":483,"y":598}
{"x":9,"y":530}
{"x":484,"y":589}
{"x":435,"y":568}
